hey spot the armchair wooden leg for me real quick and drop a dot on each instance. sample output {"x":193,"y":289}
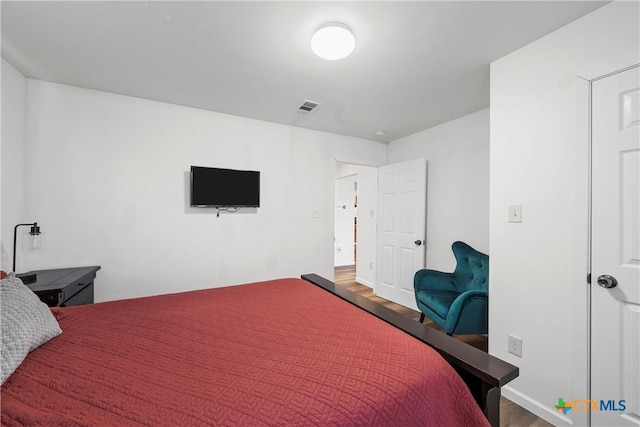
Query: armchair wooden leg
{"x":421,"y":317}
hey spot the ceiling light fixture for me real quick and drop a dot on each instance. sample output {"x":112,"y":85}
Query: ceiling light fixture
{"x":333,"y":41}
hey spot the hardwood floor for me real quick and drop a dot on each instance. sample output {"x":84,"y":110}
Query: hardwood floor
{"x":346,"y":277}
{"x":511,"y":415}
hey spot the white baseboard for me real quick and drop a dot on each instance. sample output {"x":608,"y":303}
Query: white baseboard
{"x":546,"y":412}
{"x":364,"y":282}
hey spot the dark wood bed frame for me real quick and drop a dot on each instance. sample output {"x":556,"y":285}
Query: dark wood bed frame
{"x":483,"y":373}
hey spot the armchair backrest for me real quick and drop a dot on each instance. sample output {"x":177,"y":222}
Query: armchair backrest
{"x":472,"y":269}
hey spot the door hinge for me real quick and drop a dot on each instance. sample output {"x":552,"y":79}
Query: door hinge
{"x":589,"y":278}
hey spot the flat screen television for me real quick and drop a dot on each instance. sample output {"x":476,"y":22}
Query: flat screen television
{"x":216,"y":188}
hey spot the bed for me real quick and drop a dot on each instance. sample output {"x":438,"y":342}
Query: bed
{"x":282,"y":352}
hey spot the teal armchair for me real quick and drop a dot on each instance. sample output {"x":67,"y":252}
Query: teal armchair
{"x":459,"y":301}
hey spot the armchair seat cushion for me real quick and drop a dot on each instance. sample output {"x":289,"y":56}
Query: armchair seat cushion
{"x":438,"y":301}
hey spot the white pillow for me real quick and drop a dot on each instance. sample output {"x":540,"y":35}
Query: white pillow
{"x":27,"y":323}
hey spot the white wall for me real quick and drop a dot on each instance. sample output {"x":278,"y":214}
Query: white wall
{"x":539,"y":159}
{"x":108,"y":182}
{"x":14,"y":86}
{"x":457,"y":154}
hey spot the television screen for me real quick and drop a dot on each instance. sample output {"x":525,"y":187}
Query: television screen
{"x":214,"y":187}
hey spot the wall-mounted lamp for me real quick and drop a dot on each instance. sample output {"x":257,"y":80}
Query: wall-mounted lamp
{"x":35,"y":240}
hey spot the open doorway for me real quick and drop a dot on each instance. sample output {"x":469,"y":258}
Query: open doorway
{"x":346,"y":221}
{"x":355,"y":223}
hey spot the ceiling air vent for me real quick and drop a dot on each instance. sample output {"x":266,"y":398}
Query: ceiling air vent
{"x":307,"y":107}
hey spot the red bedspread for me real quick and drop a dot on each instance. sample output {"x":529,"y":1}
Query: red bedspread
{"x":272,"y":353}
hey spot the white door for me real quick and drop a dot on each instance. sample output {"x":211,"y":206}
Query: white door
{"x":402,"y":204}
{"x":344,"y":241}
{"x":615,"y":254}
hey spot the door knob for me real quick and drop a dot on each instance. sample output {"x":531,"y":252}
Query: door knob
{"x":418,"y":242}
{"x":607,"y":281}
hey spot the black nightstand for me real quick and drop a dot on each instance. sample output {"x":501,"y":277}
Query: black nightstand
{"x":63,"y":287}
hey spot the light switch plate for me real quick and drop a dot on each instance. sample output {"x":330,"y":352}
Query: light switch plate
{"x":515,"y":213}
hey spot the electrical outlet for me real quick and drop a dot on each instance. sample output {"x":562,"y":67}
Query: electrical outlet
{"x":515,"y":345}
{"x":370,"y":266}
{"x":315,"y":213}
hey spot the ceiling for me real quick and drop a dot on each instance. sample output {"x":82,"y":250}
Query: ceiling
{"x":415,"y":65}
